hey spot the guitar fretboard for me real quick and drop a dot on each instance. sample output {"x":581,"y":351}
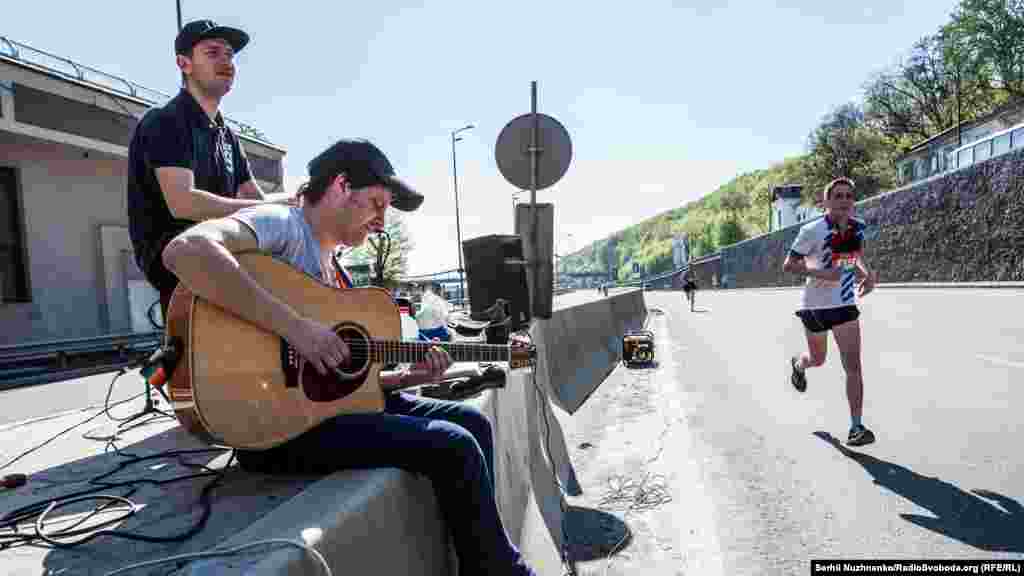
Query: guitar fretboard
{"x":390,"y":351}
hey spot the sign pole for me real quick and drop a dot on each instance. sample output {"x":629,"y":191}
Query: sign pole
{"x":534,"y":165}
{"x":533,"y":152}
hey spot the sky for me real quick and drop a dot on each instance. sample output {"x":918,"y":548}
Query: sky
{"x":663,"y":101}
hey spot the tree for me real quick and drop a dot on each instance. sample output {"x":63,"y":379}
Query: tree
{"x":393,"y":249}
{"x":735,"y":200}
{"x":939,"y":83}
{"x":992,"y":32}
{"x":843,"y":145}
{"x":701,"y":231}
{"x":729,"y":232}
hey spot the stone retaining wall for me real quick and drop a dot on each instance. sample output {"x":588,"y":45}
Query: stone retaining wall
{"x":965,"y":226}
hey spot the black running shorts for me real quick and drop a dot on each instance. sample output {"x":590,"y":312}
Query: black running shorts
{"x":824,"y":319}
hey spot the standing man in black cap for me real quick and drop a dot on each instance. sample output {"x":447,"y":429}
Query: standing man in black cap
{"x":185,"y":163}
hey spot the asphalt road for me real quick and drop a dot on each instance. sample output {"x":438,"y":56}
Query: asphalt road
{"x":719,"y":467}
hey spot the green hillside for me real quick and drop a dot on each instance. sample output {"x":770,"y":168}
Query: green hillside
{"x":737,"y":210}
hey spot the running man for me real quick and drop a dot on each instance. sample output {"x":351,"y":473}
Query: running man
{"x":689,"y":288}
{"x":829,"y":251}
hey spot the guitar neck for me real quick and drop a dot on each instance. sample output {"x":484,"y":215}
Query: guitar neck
{"x":401,"y":352}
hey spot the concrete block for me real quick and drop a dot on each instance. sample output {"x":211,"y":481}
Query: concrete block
{"x":580,"y":345}
{"x":528,"y":496}
{"x":382,"y":521}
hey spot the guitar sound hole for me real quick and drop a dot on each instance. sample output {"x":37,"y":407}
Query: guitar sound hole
{"x":331,"y":386}
{"x":358,"y":347}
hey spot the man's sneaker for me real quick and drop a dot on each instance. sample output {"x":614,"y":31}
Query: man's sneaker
{"x":860,"y":436}
{"x":798,"y":378}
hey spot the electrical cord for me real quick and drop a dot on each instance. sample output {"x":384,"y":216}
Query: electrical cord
{"x":150,"y":312}
{"x":321,"y":561}
{"x":647,"y":493}
{"x":566,"y":552}
{"x":110,"y":391}
{"x":65,"y":431}
{"x":37,"y":512}
{"x":660,"y":493}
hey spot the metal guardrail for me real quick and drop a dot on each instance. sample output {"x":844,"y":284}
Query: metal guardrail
{"x":14,"y":357}
{"x":71,"y":69}
{"x":991,"y":146}
{"x":641,"y":282}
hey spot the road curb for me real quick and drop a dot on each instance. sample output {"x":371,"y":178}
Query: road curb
{"x":1012,"y":285}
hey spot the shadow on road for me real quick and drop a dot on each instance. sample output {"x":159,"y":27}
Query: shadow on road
{"x":642,"y":366}
{"x":980,"y":518}
{"x":595,"y":534}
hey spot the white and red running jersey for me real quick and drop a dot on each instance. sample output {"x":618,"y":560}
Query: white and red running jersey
{"x":824,"y":247}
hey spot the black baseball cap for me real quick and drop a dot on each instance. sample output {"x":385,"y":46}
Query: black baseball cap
{"x":364,"y":165}
{"x":193,"y":32}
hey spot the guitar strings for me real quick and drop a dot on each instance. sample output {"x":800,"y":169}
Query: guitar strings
{"x":427,"y":345}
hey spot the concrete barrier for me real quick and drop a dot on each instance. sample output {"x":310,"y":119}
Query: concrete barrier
{"x":579,"y":346}
{"x":381,"y":521}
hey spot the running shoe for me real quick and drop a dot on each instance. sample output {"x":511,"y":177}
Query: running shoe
{"x":798,"y":378}
{"x":860,"y":436}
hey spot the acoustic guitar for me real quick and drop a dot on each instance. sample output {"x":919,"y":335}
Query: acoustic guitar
{"x":239,"y":385}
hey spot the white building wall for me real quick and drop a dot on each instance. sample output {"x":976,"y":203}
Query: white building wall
{"x":72,"y":197}
{"x":784,"y":212}
{"x":679,"y":254}
{"x":788,"y":212}
{"x":64,"y":200}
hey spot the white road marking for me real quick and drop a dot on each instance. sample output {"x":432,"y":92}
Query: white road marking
{"x":695,"y":511}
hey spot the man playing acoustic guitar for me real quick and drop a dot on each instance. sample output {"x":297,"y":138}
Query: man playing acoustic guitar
{"x":351,"y":186}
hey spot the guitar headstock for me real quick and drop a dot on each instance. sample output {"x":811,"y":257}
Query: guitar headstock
{"x":522,"y":352}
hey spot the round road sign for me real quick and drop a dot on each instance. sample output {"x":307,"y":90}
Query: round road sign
{"x":513,"y":151}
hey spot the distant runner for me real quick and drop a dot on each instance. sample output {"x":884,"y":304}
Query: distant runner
{"x":689,"y":288}
{"x":830,"y":253}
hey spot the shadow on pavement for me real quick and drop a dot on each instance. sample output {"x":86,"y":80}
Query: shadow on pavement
{"x":980,"y":518}
{"x":642,"y":366}
{"x":168,"y":490}
{"x":595,"y":534}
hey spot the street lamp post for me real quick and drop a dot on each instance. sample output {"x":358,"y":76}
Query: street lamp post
{"x":179,"y":15}
{"x":458,"y":226}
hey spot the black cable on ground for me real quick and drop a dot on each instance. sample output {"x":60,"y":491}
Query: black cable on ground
{"x":37,"y":513}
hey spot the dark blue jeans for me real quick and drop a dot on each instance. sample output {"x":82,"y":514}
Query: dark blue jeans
{"x":449,"y":442}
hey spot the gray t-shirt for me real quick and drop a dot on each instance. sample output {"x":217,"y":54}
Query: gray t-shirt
{"x":283,"y":232}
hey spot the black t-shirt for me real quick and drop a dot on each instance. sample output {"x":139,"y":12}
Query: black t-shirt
{"x":178,"y":134}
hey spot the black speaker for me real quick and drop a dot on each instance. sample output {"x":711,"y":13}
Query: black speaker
{"x":494,"y":270}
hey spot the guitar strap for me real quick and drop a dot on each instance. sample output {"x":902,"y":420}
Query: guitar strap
{"x":340,"y":275}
